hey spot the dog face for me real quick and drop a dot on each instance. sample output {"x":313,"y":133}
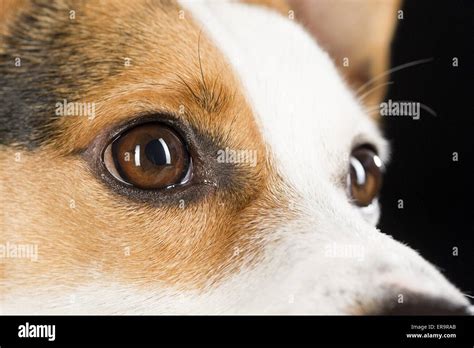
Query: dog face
{"x":220,"y":164}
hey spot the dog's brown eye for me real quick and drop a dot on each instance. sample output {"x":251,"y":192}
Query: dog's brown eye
{"x":365,"y":176}
{"x":148,"y":156}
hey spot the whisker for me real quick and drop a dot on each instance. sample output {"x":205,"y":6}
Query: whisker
{"x":200,"y":63}
{"x":371,"y":109}
{"x":363,"y":96}
{"x":392,"y":70}
{"x":231,"y":129}
{"x":196,"y":97}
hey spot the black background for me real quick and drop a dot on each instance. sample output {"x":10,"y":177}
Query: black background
{"x":438,"y":193}
{"x":220,"y":330}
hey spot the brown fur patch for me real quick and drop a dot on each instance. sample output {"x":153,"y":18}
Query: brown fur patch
{"x":278,"y":5}
{"x":9,"y":9}
{"x":84,"y":228}
{"x":360,"y":31}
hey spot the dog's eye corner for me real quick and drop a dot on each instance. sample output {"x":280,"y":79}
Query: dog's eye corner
{"x":364,"y":178}
{"x":149,"y":156}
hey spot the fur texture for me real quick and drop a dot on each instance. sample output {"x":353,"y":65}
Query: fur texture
{"x":243,"y":239}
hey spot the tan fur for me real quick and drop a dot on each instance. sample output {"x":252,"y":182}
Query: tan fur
{"x":359,"y":30}
{"x":82,"y":227}
{"x":168,"y":245}
{"x":8,"y":10}
{"x":280,"y":6}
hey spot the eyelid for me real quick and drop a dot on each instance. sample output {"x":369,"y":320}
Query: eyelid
{"x":379,"y":145}
{"x":167,"y":119}
{"x":200,"y":145}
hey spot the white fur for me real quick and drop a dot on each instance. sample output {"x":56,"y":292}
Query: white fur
{"x":311,"y":121}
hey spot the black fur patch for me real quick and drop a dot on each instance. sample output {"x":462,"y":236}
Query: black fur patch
{"x":60,"y":59}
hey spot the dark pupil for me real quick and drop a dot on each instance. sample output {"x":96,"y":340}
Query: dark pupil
{"x":157,"y":152}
